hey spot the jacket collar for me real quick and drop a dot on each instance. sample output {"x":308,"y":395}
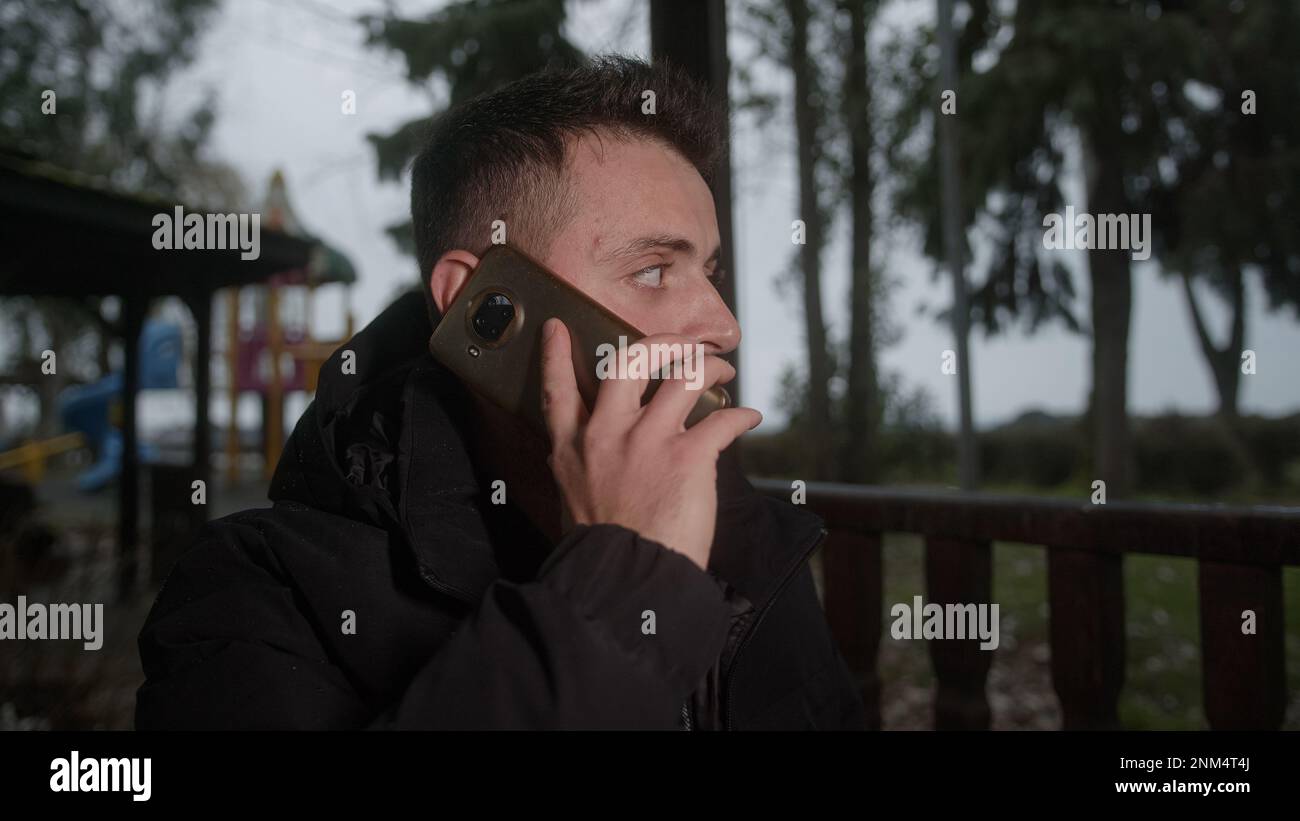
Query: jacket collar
{"x":441,"y":505}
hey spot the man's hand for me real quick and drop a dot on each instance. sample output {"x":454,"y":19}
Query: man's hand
{"x":638,"y":466}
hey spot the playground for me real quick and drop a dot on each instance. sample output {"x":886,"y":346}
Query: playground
{"x":107,"y":472}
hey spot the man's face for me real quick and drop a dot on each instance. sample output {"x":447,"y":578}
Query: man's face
{"x":644,"y":240}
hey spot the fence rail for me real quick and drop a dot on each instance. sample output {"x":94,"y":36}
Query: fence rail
{"x":1240,"y":553}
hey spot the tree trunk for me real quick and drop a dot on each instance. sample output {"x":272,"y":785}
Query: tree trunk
{"x":862,"y":414}
{"x":818,"y":425}
{"x":1112,"y":305}
{"x":51,"y":385}
{"x":1225,"y":365}
{"x":954,"y":243}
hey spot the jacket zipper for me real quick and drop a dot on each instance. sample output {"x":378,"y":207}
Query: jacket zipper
{"x":753,"y":628}
{"x":686,"y":714}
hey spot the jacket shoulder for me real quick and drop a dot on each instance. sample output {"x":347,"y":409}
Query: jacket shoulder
{"x":282,"y":600}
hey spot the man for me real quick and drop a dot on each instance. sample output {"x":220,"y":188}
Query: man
{"x":625,"y":583}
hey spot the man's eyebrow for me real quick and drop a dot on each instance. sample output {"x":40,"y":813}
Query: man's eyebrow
{"x":673,"y":243}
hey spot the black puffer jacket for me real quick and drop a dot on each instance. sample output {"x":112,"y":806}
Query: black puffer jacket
{"x":384,"y":590}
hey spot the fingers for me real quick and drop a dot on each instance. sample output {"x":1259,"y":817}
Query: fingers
{"x":561,"y":402}
{"x":620,"y":392}
{"x":676,"y":397}
{"x":624,"y":383}
{"x":720,"y":428}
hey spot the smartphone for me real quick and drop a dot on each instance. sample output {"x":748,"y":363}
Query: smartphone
{"x":491,"y":336}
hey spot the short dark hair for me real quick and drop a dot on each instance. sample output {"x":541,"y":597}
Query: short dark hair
{"x":502,"y":155}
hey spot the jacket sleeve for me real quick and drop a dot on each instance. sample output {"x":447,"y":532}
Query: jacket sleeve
{"x":234,"y":650}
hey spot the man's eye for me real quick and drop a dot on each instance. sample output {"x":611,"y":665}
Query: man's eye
{"x":650,"y":277}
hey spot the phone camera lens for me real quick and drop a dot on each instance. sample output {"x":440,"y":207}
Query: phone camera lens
{"x":493,"y":316}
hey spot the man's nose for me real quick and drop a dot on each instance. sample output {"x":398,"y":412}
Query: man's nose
{"x":711,"y":322}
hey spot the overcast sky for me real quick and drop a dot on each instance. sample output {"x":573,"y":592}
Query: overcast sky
{"x":279,"y":68}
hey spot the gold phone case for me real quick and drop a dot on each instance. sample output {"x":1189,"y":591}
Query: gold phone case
{"x":508,"y":370}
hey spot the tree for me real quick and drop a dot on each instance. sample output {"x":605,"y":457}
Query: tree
{"x":104,"y":63}
{"x":862,"y":412}
{"x":80,"y":83}
{"x":1228,"y":205}
{"x":933,"y":174}
{"x":955,"y":249}
{"x":1056,"y":76}
{"x":471,"y":46}
{"x":835,"y":146}
{"x":809,"y":116}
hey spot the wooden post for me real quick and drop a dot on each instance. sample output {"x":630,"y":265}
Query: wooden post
{"x":1243,"y":673}
{"x":273,"y":420}
{"x":134,"y":308}
{"x":347,"y":307}
{"x":232,"y":369}
{"x":200,"y":305}
{"x":309,"y":303}
{"x":692,"y":34}
{"x":959,"y":572}
{"x":851,"y":571}
{"x":1086,"y":595}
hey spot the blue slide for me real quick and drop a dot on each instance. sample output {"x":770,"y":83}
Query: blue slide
{"x":85,"y":408}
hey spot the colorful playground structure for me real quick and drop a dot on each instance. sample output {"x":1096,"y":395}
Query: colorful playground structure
{"x":275,"y":355}
{"x":93,"y":410}
{"x":278,"y":354}
{"x":91,"y":414}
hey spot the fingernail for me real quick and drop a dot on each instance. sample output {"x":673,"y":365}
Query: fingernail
{"x":549,"y":326}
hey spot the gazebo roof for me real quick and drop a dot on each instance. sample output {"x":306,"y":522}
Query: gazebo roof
{"x":328,"y":264}
{"x":67,"y":234}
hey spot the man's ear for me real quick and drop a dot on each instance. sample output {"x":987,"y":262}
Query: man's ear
{"x":449,"y":275}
